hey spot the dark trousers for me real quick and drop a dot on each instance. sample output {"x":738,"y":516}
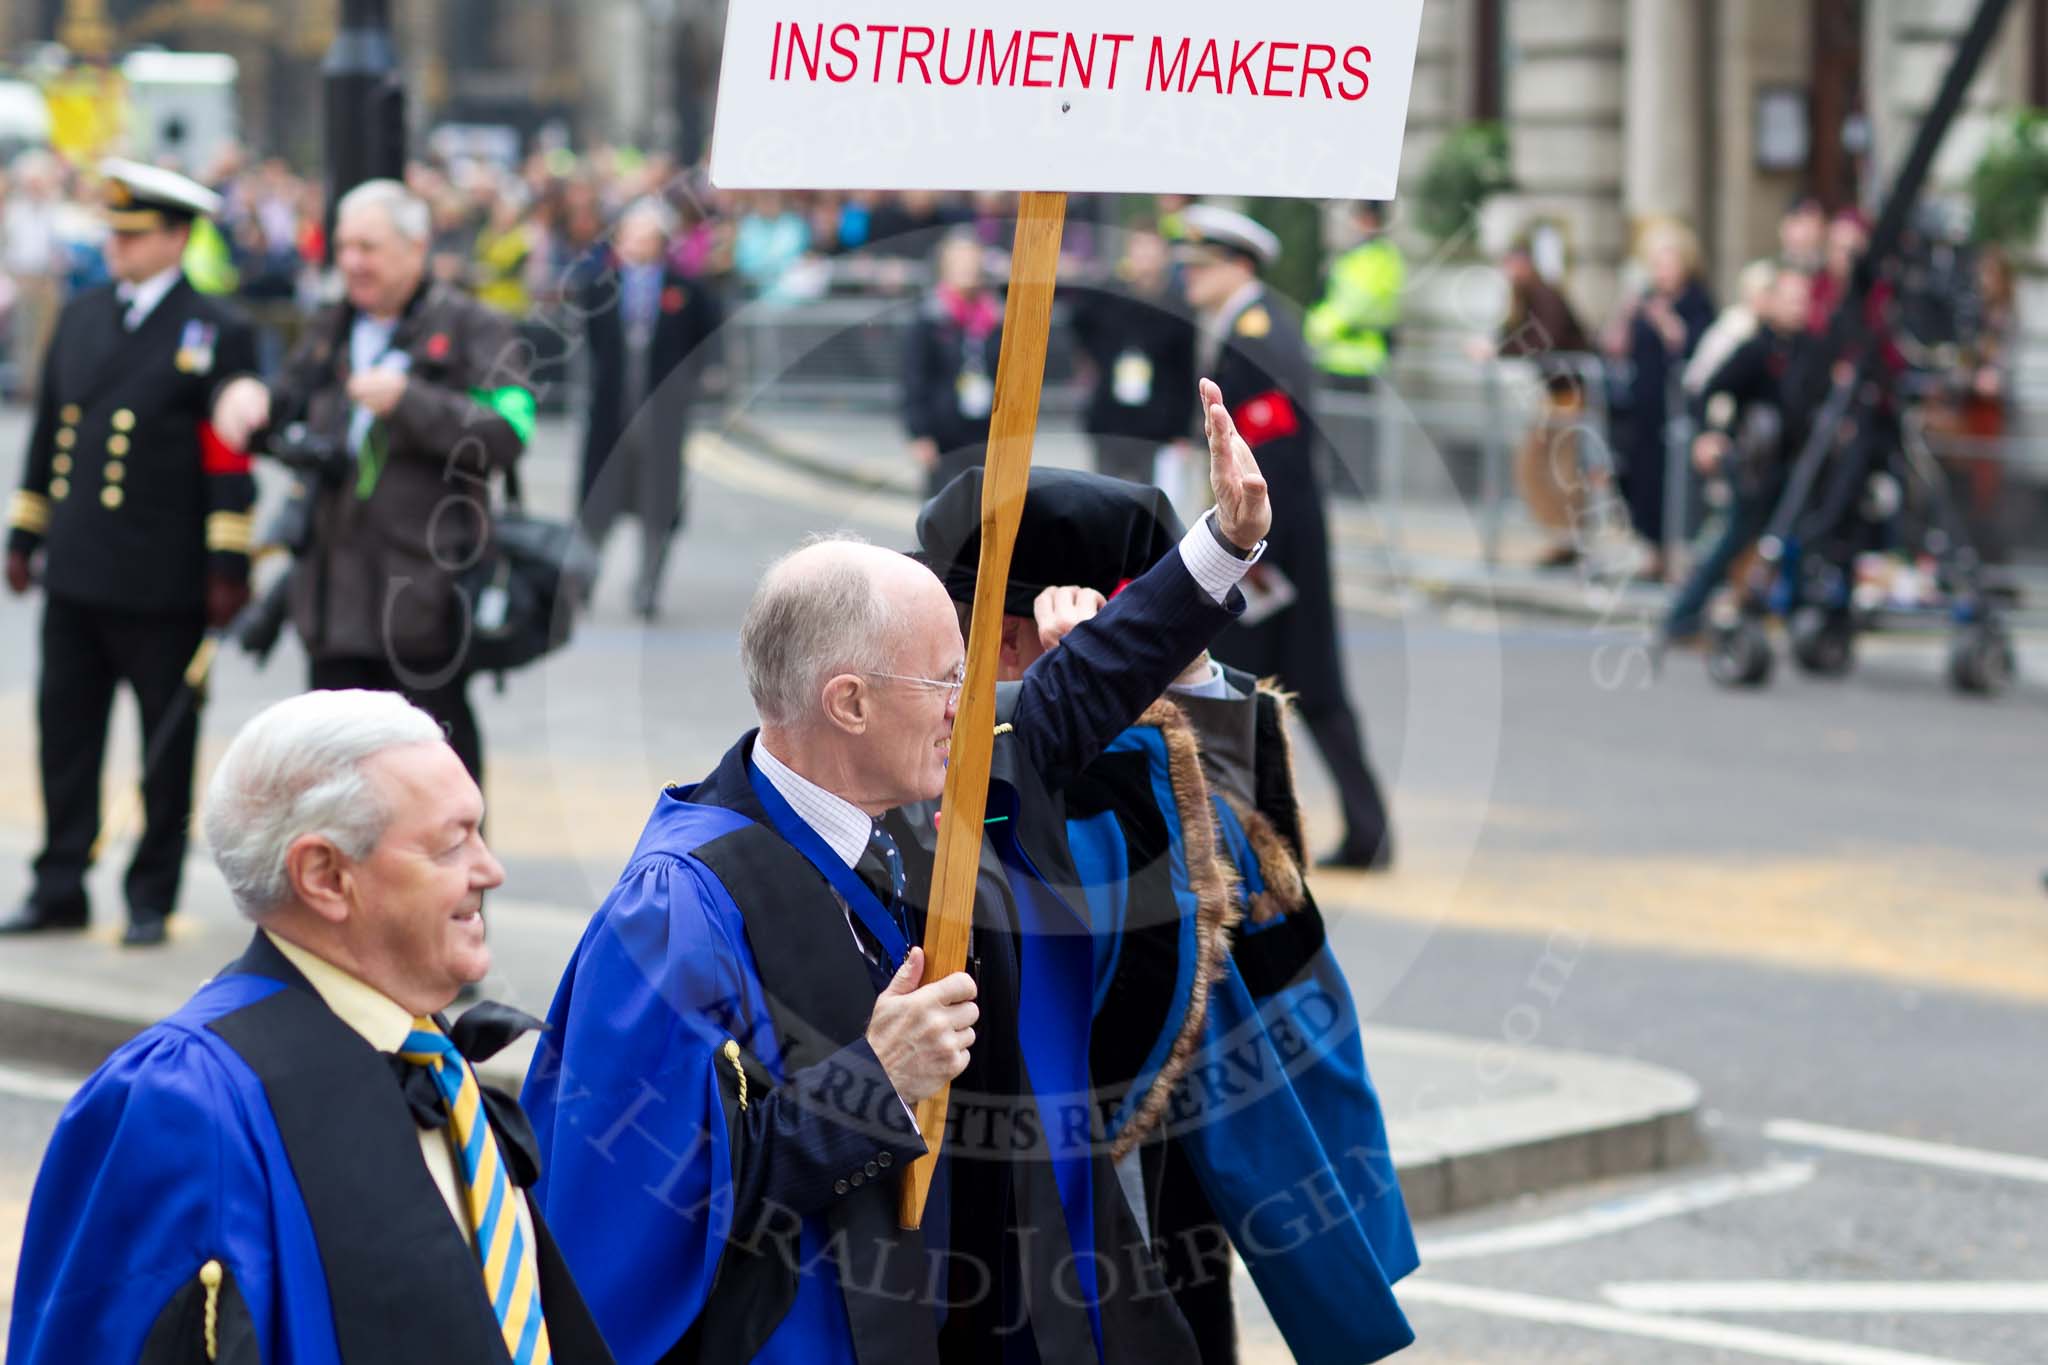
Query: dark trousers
{"x":952,"y":464}
{"x":1333,"y":725}
{"x":1747,"y":518}
{"x":1337,"y":736}
{"x":1126,"y":457}
{"x":87,"y":652}
{"x":641,"y":476}
{"x":1299,"y":647}
{"x":448,"y":703}
{"x":1194,"y":1256}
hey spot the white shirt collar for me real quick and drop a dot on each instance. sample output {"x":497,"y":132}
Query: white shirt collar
{"x":143,"y":298}
{"x":844,"y":827}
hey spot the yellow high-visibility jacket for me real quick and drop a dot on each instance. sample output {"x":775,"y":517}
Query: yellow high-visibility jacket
{"x":1348,"y":329}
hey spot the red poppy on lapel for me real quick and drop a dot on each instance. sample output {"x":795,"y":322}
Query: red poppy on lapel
{"x":672,"y":299}
{"x":437,"y":346}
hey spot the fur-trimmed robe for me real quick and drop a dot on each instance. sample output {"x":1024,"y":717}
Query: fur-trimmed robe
{"x":1226,"y":1052}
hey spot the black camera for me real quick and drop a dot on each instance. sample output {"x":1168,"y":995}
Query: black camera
{"x":319,"y":462}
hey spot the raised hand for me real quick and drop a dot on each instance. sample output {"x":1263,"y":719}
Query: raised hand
{"x":1243,"y":513}
{"x":1059,"y":609}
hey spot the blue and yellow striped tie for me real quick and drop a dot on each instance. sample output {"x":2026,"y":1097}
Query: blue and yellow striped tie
{"x":508,"y":1263}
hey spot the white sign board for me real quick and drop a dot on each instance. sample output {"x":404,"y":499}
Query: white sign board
{"x":1280,"y":97}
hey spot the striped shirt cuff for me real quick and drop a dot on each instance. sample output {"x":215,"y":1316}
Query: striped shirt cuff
{"x":1213,"y":567}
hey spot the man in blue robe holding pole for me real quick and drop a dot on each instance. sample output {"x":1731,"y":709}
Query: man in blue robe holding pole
{"x":723,"y":1097}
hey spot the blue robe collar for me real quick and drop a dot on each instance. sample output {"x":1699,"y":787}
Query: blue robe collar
{"x":736,"y":787}
{"x":859,"y":898}
{"x":723,"y":824}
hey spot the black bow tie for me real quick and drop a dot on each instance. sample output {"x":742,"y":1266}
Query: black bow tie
{"x":483,"y":1031}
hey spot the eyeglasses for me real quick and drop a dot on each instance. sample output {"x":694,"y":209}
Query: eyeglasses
{"x":950,"y":685}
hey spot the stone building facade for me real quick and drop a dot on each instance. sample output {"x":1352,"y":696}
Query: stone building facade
{"x":609,"y":70}
{"x":1623,"y":110}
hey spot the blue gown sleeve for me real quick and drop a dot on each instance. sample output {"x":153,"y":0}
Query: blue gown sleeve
{"x":156,"y":1168}
{"x":650,"y":1163}
{"x":1077,"y":698}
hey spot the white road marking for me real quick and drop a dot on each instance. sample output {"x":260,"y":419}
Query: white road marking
{"x":1782,"y":1296}
{"x":2006,"y":1164}
{"x":1719,"y":1336}
{"x":1620,"y":1214}
{"x":36,"y":1085}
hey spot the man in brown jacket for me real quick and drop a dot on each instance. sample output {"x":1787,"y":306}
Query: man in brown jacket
{"x":426,"y":390}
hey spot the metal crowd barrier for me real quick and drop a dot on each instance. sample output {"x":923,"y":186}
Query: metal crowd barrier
{"x":1443,"y":422}
{"x":1441,"y":407}
{"x":847,"y":353}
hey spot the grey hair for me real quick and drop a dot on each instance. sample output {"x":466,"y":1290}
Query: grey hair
{"x":406,"y":211}
{"x":654,"y":210}
{"x":807,"y":624}
{"x":298,"y":769}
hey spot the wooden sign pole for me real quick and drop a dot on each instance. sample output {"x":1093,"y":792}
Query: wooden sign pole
{"x":1020,"y":373}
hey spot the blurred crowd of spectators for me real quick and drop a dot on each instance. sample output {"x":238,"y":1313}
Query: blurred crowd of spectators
{"x":263,"y":248}
{"x":1943,"y":318}
{"x":513,"y":235}
{"x":516,"y":236}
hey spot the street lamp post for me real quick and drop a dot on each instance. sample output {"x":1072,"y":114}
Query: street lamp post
{"x":365,"y":103}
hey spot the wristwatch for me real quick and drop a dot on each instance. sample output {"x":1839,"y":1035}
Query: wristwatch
{"x":1216,"y":530}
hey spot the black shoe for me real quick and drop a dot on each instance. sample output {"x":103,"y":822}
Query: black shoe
{"x":1355,"y":856}
{"x":146,"y":931}
{"x":32,"y":918}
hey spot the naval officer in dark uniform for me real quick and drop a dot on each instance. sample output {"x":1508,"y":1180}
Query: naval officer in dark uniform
{"x":1249,"y":341}
{"x":135,"y":517}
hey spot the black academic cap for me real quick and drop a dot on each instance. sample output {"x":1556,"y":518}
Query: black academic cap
{"x":1078,"y":529}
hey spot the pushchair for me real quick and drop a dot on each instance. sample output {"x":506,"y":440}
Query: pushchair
{"x":1802,"y":573}
{"x":1854,"y":498}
